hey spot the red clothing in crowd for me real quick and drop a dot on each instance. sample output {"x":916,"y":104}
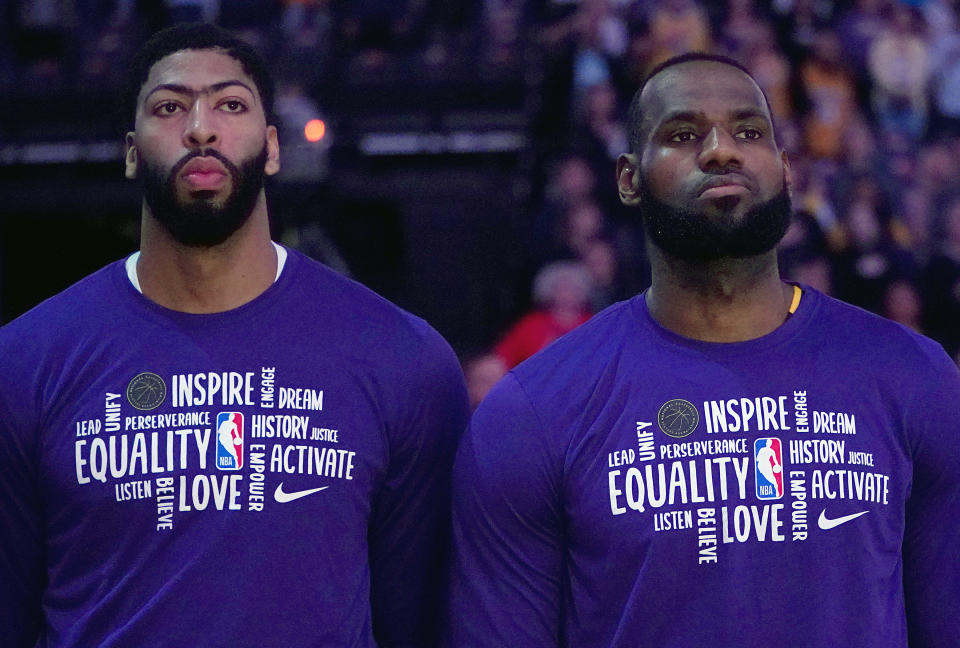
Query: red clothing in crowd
{"x":531,"y":333}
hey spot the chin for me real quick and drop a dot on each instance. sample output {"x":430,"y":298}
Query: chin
{"x":734,"y":208}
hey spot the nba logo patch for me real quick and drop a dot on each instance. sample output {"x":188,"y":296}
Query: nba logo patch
{"x":229,"y":441}
{"x":768,"y":460}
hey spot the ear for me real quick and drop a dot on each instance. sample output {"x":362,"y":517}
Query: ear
{"x":130,"y":160}
{"x":787,"y":173}
{"x":628,"y":179}
{"x":273,"y":152}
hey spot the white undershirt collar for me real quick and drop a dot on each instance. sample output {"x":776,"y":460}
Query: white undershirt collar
{"x":131,"y":265}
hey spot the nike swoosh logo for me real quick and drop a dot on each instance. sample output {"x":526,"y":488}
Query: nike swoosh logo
{"x":283,"y":497}
{"x":826,"y":523}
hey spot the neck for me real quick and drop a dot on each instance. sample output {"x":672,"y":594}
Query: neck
{"x":206,"y":280}
{"x":727,"y":300}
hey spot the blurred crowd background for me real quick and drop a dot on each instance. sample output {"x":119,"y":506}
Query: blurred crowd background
{"x":458,"y":155}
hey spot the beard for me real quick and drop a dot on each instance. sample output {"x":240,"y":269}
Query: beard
{"x":693,"y":236}
{"x":200,"y":221}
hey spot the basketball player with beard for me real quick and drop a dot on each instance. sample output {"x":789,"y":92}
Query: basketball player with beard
{"x":218,"y":441}
{"x":608,"y":492}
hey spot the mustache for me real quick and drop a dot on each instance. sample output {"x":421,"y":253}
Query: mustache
{"x":182,"y":162}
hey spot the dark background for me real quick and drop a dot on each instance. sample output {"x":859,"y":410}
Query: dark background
{"x":446,"y":123}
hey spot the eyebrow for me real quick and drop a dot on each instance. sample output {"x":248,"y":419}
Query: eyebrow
{"x":692,"y":115}
{"x":184,"y":90}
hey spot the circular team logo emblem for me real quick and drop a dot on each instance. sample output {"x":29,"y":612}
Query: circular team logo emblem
{"x":678,"y":418}
{"x":146,"y":391}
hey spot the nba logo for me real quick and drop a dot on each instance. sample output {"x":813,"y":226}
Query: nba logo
{"x":769,"y":468}
{"x":229,"y":441}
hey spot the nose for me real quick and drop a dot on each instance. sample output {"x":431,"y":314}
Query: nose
{"x":719,"y":151}
{"x":199,"y":129}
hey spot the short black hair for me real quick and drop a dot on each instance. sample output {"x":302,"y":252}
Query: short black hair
{"x":195,"y":36}
{"x":635,"y":114}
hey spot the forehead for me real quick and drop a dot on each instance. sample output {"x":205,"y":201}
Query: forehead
{"x":710,"y":88}
{"x":196,"y":69}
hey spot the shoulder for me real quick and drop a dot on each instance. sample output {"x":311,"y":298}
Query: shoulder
{"x":520,"y":435}
{"x":95,"y":286}
{"x":860,"y":333}
{"x":906,"y":370}
{"x":54,"y":339}
{"x":586,"y":346}
{"x":89,"y":300}
{"x":371,"y":330}
{"x":559,"y":379}
{"x":358,"y":308}
{"x":411,"y":368}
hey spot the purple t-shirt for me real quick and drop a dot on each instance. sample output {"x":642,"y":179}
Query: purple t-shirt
{"x":631,"y":487}
{"x":274,"y":475}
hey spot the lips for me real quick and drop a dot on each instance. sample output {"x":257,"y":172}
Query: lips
{"x":728,"y":184}
{"x":204,"y":174}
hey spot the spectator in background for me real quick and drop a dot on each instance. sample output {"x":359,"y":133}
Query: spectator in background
{"x":915,"y":211}
{"x":902,"y":303}
{"x":857,"y":28}
{"x":583,"y":47}
{"x":941,"y":283}
{"x":42,"y":30}
{"x":602,"y":38}
{"x":900,"y":156}
{"x":572,"y":183}
{"x":831,"y":95}
{"x":601,"y":137}
{"x":941,"y":22}
{"x":583,"y":225}
{"x":382,"y":31}
{"x":306,"y":40}
{"x":802,"y":253}
{"x":677,"y":26}
{"x":899,"y":66}
{"x":566,"y":293}
{"x":502,"y":22}
{"x":742,"y":28}
{"x":573,"y":225}
{"x":561,"y":292}
{"x":600,"y":261}
{"x":482,"y":373}
{"x":772,"y":71}
{"x":570,"y":190}
{"x":859,"y":156}
{"x":798,"y":22}
{"x":812,"y":183}
{"x":934,"y":178}
{"x":936,"y":168}
{"x":604,"y":134}
{"x":104,"y":38}
{"x":871,"y":259}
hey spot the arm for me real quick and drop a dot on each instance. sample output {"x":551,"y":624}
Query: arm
{"x":931,"y":571}
{"x":507,"y":521}
{"x":409,"y":527}
{"x":21,"y":524}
